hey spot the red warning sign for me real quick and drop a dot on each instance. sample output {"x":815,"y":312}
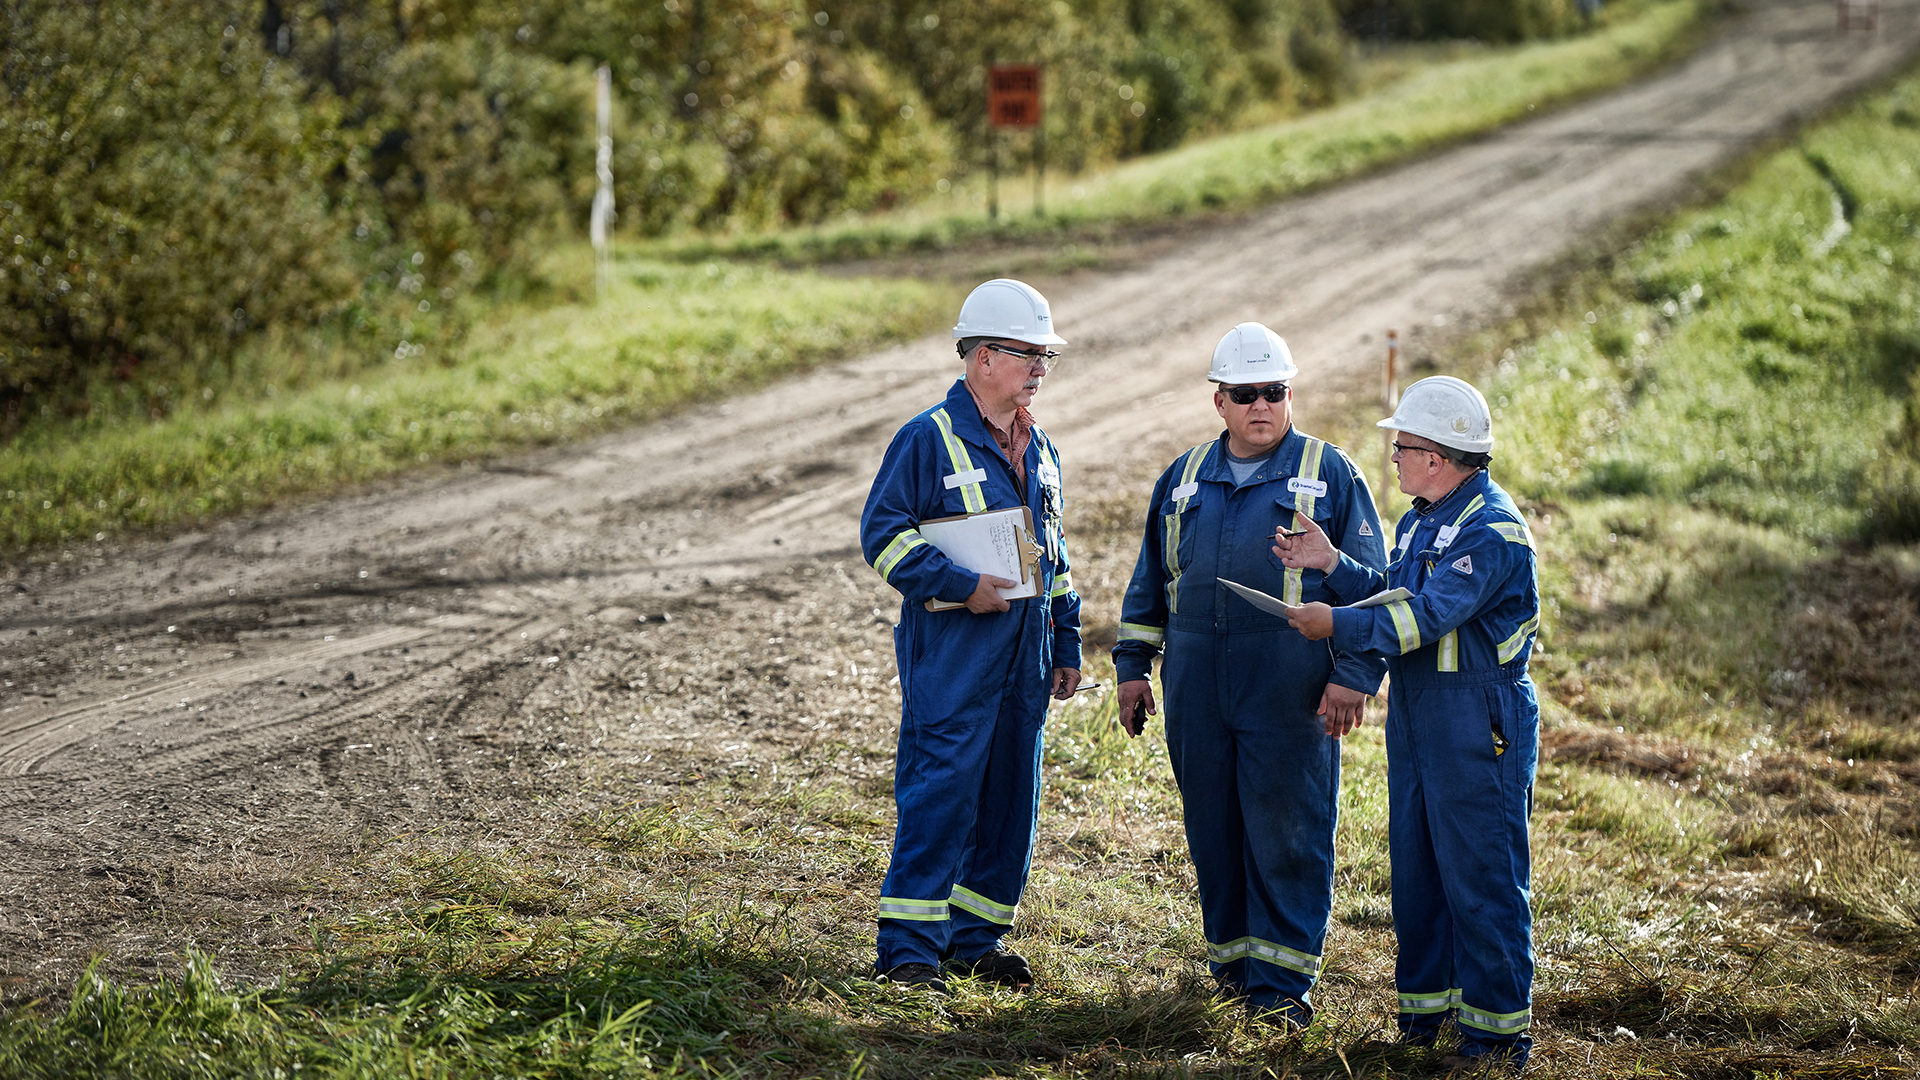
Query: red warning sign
{"x":1013,"y":95}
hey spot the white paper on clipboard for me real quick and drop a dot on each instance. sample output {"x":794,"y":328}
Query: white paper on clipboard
{"x":1275,"y":606}
{"x":997,"y":542}
{"x":1385,"y":596}
{"x":1272,"y":605}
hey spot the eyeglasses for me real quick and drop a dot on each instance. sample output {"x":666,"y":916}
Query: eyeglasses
{"x":1441,"y":454}
{"x":1044,"y":360}
{"x":1244,"y":395}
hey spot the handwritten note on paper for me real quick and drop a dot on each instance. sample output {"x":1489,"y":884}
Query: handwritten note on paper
{"x":989,"y":543}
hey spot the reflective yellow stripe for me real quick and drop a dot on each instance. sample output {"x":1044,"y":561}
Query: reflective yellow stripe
{"x":1152,"y":635}
{"x":1503,"y":1023}
{"x":1261,"y":949}
{"x":1450,"y":652}
{"x":1291,"y":582}
{"x":970,"y":494}
{"x":1515,"y":532}
{"x":1476,"y":503}
{"x":1195,"y":457}
{"x":1510,"y":648}
{"x":983,"y":907}
{"x":1429,"y":1002}
{"x":1404,"y":625}
{"x":893,"y":907}
{"x":896,"y":551}
{"x":1062,"y":585}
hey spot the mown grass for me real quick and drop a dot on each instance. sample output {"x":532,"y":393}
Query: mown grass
{"x":1431,"y":104}
{"x":538,"y":372}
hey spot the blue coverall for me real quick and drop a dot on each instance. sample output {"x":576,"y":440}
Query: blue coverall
{"x":1463,"y":729}
{"x":1259,"y":777}
{"x":973,"y":688}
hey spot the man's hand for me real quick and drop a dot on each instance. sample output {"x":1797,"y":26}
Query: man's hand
{"x":984,"y":599}
{"x":1344,"y":708}
{"x":1136,"y":704}
{"x":1065,"y":681}
{"x":1309,"y":550}
{"x":1314,"y":621}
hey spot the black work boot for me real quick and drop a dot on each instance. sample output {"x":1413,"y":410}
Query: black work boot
{"x":916,"y":977}
{"x":998,"y":966}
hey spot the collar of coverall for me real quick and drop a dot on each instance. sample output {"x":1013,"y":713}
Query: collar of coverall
{"x":1469,"y":481}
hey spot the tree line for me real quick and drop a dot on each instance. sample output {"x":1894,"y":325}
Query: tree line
{"x":180,"y":176}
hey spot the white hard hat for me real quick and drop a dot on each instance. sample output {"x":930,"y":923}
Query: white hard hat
{"x":1005,"y":308}
{"x":1447,"y":410}
{"x":1251,"y":353}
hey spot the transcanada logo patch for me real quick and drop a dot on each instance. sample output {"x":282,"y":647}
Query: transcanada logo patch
{"x":1464,"y":564}
{"x":1315,"y":488}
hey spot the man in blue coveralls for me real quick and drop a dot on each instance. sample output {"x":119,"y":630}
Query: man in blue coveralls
{"x":1254,"y":711}
{"x":1463,"y":724}
{"x":974,"y":680}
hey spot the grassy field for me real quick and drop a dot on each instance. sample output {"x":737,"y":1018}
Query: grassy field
{"x":1710,"y":436}
{"x":683,"y":320}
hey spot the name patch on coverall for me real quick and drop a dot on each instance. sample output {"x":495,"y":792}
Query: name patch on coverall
{"x":959,"y":478}
{"x":1315,"y":488}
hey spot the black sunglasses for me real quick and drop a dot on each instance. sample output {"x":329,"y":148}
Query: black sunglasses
{"x":1244,"y":395}
{"x":1043,"y":358}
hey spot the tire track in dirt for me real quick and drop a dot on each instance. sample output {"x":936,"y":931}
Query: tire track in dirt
{"x":694,"y":586}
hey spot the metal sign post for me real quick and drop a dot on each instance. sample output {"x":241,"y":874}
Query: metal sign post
{"x":1393,"y":400}
{"x":1013,"y":101}
{"x":599,"y":225}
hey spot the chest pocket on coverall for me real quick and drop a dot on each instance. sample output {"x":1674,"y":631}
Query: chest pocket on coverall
{"x":1285,"y":506}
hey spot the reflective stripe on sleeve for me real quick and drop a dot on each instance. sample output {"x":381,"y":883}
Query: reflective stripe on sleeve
{"x":1501,"y":1023}
{"x":1171,"y":549}
{"x":894,"y":552}
{"x":1511,"y":647}
{"x":894,"y":907}
{"x":1449,"y":652}
{"x":970,"y":494}
{"x":1513,"y":531}
{"x":1062,"y":585}
{"x":983,"y":907}
{"x":1428,"y":1002}
{"x":1292,"y":581}
{"x":1404,"y":626}
{"x":1261,"y":949}
{"x":1152,"y":635}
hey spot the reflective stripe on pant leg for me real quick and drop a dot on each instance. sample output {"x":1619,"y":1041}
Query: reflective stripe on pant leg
{"x":894,"y":907}
{"x":983,"y":907}
{"x":1429,"y":1002}
{"x":1505,"y":1024}
{"x":1259,"y":949}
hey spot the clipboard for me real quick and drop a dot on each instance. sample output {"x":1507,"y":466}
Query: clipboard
{"x":1275,"y":606}
{"x":997,"y":542}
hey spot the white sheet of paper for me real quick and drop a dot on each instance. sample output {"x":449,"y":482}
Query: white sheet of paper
{"x":1386,"y":596}
{"x":1272,"y":605}
{"x":986,"y":544}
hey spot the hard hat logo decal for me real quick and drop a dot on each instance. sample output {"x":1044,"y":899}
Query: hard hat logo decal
{"x":1460,"y":425}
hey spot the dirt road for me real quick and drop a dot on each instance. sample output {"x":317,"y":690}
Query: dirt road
{"x":191,"y":729}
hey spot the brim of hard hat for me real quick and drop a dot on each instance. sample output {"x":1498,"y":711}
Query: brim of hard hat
{"x":1033,"y":339}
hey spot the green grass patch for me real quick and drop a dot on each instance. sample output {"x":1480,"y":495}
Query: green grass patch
{"x":663,"y":336}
